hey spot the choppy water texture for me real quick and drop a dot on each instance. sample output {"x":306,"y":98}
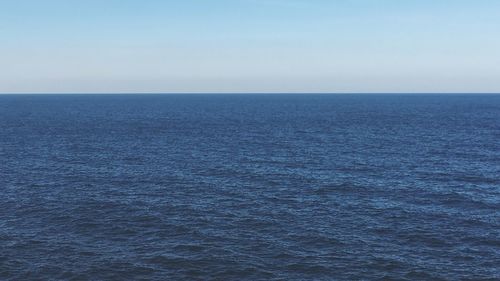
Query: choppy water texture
{"x":255,"y":187}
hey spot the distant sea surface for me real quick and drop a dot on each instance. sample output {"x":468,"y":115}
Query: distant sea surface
{"x":250,"y":187}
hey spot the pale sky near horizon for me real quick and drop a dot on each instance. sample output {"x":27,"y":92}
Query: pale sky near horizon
{"x":80,"y":46}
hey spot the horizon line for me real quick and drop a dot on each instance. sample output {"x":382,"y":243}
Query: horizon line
{"x":253,"y":93}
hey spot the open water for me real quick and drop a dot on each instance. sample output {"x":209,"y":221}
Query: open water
{"x":250,"y":187}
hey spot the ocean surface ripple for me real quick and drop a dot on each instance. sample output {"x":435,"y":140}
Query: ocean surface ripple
{"x":250,"y":187}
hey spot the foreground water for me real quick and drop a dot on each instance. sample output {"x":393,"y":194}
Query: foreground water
{"x":232,"y":187}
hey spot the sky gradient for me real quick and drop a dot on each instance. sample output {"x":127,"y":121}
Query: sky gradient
{"x":166,"y":46}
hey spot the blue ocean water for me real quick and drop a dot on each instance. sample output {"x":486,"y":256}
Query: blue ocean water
{"x":250,"y":187}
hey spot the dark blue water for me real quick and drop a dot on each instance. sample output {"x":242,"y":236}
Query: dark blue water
{"x":250,"y":187}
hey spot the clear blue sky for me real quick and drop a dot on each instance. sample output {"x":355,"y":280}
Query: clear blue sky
{"x":249,"y":46}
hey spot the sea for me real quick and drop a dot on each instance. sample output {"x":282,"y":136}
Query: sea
{"x":250,"y":187}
